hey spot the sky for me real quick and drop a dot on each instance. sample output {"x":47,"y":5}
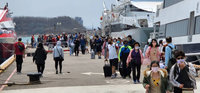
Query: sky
{"x":89,"y":10}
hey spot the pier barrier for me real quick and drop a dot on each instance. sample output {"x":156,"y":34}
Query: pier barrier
{"x":7,"y":63}
{"x":50,"y":51}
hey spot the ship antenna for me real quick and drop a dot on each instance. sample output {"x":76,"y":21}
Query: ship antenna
{"x":6,"y":6}
{"x":104,"y":6}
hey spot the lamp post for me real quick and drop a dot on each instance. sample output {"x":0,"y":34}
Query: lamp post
{"x":57,"y":24}
{"x":74,"y":30}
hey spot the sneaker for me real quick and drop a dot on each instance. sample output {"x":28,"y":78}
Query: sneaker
{"x":19,"y":73}
{"x":138,"y":81}
{"x":124,"y":77}
{"x":113,"y":76}
{"x":56,"y":72}
{"x":134,"y":82}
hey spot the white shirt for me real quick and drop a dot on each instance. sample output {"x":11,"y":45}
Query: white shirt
{"x":112,"y":51}
{"x":161,"y":48}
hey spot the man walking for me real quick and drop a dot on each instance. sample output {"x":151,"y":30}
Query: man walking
{"x":112,"y":56}
{"x":19,"y":53}
{"x":77,"y":44}
{"x":122,"y":56}
{"x":131,"y":41}
{"x":83,"y":44}
{"x":98,"y":46}
{"x":168,"y":54}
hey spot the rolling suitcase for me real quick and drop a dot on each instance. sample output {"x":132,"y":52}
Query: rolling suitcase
{"x":120,"y":68}
{"x":107,"y":69}
{"x":92,"y":55}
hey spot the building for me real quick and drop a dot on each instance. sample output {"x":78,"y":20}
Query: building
{"x":79,"y":20}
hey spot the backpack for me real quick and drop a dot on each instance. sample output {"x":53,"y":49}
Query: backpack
{"x":21,"y":47}
{"x":123,"y":53}
{"x":172,"y":60}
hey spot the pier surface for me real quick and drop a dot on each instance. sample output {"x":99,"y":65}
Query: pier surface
{"x":80,"y":75}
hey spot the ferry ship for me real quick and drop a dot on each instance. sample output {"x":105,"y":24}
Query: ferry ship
{"x":7,"y":34}
{"x":180,"y":19}
{"x":129,"y":17}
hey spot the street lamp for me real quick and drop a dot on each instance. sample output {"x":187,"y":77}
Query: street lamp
{"x":57,"y":24}
{"x":74,"y":30}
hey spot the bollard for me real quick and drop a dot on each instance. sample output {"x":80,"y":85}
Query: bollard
{"x":28,"y":54}
{"x":33,"y":54}
{"x":34,"y":78}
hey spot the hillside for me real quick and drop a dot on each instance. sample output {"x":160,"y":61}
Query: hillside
{"x":42,"y":25}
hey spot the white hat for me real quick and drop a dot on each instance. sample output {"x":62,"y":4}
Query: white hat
{"x":149,"y":40}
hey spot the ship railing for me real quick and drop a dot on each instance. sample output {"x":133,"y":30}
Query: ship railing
{"x":49,"y":44}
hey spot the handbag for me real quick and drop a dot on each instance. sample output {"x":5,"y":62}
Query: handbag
{"x":60,"y":56}
{"x":146,"y":61}
{"x":72,"y":44}
{"x":187,"y":90}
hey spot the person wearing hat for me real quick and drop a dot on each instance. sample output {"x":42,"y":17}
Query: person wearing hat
{"x":135,"y":59}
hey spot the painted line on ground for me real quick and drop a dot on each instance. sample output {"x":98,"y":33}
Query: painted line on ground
{"x":3,"y":86}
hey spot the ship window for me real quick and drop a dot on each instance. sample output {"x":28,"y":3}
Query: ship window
{"x":197,"y":25}
{"x":179,"y":28}
{"x":168,"y":3}
{"x":1,"y":32}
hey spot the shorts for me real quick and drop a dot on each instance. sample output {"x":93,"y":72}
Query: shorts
{"x":114,"y":62}
{"x":99,"y":49}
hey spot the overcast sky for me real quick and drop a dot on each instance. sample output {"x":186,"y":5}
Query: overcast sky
{"x":89,"y":10}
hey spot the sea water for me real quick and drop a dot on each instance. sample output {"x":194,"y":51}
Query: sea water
{"x":27,"y":39}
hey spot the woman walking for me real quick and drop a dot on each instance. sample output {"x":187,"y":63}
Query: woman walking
{"x":136,"y":59}
{"x":58,"y":56}
{"x":40,"y":57}
{"x":71,"y":46}
{"x":76,"y":48}
{"x":155,"y":79}
{"x":152,"y":51}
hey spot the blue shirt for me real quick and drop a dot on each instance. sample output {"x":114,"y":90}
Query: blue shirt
{"x":168,"y":53}
{"x":124,"y":50}
{"x":83,"y":42}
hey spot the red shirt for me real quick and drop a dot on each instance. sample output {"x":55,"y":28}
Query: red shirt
{"x":33,"y":37}
{"x":45,"y":37}
{"x":17,"y":51}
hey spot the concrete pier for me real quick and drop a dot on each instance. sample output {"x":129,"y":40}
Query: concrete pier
{"x":80,"y":75}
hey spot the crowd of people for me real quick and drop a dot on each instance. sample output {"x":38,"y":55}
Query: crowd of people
{"x":166,"y":67}
{"x":73,"y":41}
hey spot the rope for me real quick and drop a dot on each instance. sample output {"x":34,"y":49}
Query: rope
{"x":7,"y":48}
{"x":194,"y":61}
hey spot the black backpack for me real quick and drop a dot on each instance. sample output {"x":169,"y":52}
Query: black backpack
{"x":172,"y":60}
